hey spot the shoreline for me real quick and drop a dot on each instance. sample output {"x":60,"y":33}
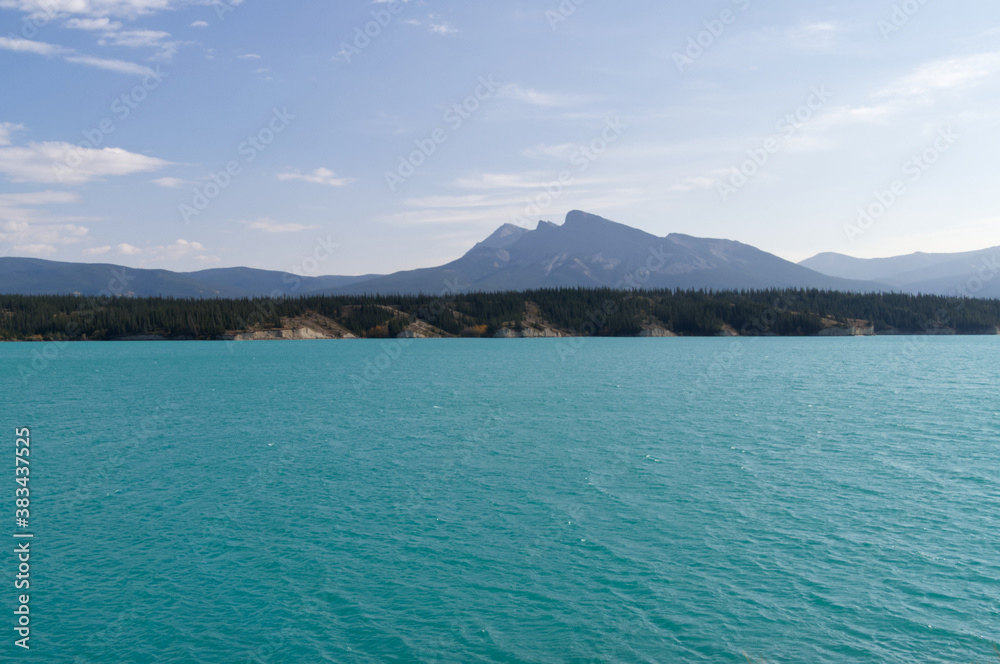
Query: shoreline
{"x":283,"y":335}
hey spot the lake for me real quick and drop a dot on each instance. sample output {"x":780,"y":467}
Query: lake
{"x":601,"y":500}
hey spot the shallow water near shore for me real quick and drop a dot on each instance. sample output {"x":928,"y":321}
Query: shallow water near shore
{"x":612,"y":500}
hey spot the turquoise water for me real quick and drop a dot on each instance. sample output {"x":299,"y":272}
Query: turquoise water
{"x":624,"y":500}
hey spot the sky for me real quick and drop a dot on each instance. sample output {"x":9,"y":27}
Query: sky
{"x":356,"y":137}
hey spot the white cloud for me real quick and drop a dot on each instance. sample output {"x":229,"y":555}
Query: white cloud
{"x":813,"y":36}
{"x":319,"y":176}
{"x":114,"y":34}
{"x":6,"y":129}
{"x":93,"y":24}
{"x":96,"y":251}
{"x":490,"y":199}
{"x":855,"y":114}
{"x":119,"y":66}
{"x":19,"y":45}
{"x":515,"y":92}
{"x":35,"y":198}
{"x":442,"y":28}
{"x":484,"y":218}
{"x":464,"y":201}
{"x":31,"y":231}
{"x":249,"y":56}
{"x":171,"y":183}
{"x":270,"y":226}
{"x":151,"y":39}
{"x":58,"y":162}
{"x":99,"y":8}
{"x":490,"y":181}
{"x":932,"y":84}
{"x":199,"y":24}
{"x":927,"y":85}
{"x":490,"y":214}
{"x":49,"y":50}
{"x":559,"y":151}
{"x":434,"y":24}
{"x":178,"y":250}
{"x":949,"y":74}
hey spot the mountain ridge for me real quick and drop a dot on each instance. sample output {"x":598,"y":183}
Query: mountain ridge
{"x":586,"y":251}
{"x":970,"y":273}
{"x":593,"y":252}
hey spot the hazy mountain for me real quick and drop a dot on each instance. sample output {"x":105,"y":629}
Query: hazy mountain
{"x":590,"y":251}
{"x":973,"y":272}
{"x":33,"y":276}
{"x":585,"y":251}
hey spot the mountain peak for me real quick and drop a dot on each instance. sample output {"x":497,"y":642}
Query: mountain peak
{"x":578,"y":218}
{"x":503,"y":237}
{"x":594,"y":226}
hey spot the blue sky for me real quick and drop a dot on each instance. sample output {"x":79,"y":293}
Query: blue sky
{"x":196,"y":134}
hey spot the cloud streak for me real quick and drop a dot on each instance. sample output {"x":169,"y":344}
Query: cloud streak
{"x":271,"y":226}
{"x":19,"y":45}
{"x":96,"y":8}
{"x":322,"y":176}
{"x":54,"y":162}
{"x":33,"y":232}
{"x":515,"y":92}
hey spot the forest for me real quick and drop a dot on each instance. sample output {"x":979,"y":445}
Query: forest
{"x":578,"y":312}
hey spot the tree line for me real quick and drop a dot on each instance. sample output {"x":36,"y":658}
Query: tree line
{"x":585,"y":312}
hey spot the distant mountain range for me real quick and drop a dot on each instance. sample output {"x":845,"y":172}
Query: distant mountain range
{"x":586,"y":251}
{"x":972,"y":273}
{"x":33,"y":276}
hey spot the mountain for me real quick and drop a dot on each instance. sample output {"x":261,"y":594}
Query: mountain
{"x":590,"y":251}
{"x":34,"y":276}
{"x":586,"y":251}
{"x":975,"y":273}
{"x":503,"y":237}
